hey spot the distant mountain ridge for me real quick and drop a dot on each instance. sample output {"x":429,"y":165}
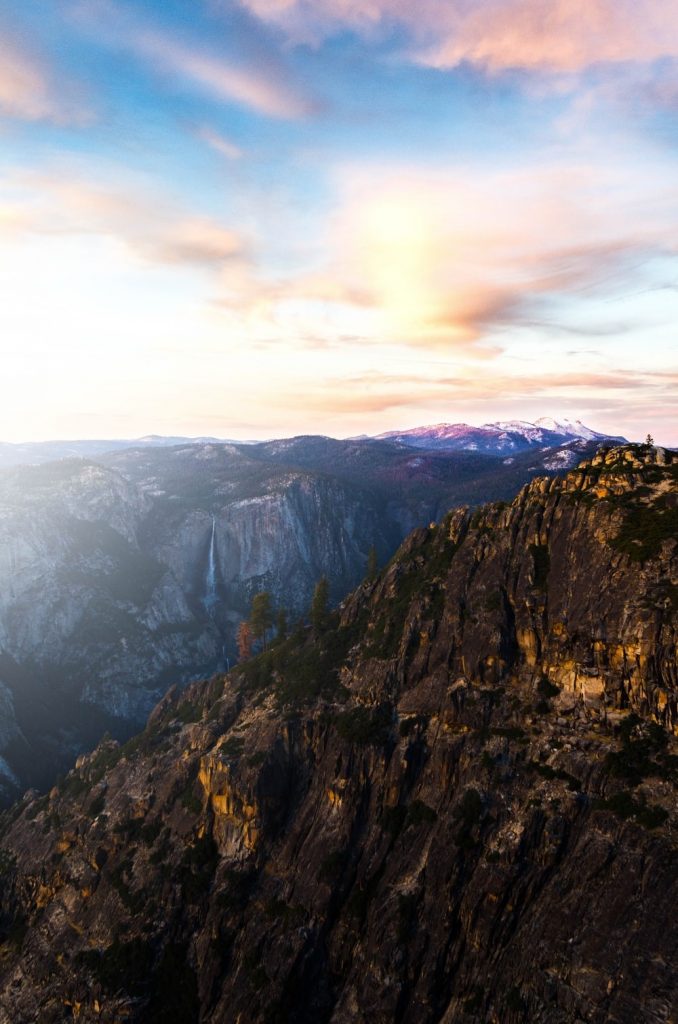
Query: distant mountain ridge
{"x":36,"y":453}
{"x":503,"y":436}
{"x":492,"y":438}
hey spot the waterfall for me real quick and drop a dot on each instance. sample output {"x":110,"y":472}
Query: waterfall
{"x":211,"y":597}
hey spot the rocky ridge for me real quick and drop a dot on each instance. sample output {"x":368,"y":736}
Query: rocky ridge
{"x":454,"y":802}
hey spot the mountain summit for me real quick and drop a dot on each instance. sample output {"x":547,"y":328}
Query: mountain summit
{"x":569,"y":428}
{"x":502,"y":437}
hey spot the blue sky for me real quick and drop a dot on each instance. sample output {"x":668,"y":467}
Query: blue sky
{"x":280,"y":216}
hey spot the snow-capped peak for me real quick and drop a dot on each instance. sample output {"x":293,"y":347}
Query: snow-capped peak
{"x":570,"y":428}
{"x":509,"y":425}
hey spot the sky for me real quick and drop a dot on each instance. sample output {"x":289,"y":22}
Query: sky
{"x":274,"y":217}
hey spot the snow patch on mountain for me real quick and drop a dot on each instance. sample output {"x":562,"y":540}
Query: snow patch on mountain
{"x":564,"y":459}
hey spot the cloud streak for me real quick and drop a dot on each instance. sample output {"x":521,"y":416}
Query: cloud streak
{"x":445,"y":261}
{"x":557,"y":35}
{"x":156,"y":229}
{"x":373,"y":393}
{"x":222,"y":78}
{"x":29,"y":90}
{"x":227,"y":67}
{"x":218,"y":142}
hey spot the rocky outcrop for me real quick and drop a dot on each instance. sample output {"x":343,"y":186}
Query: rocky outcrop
{"x":454,"y":802}
{"x":577,"y":580}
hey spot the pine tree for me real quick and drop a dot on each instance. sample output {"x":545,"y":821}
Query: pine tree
{"x":319,"y":602}
{"x":261,"y":616}
{"x":372,"y":563}
{"x":281,"y":624}
{"x":649,"y":441}
{"x":244,"y":641}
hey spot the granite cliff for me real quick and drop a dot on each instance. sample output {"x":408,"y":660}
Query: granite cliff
{"x":454,"y":801}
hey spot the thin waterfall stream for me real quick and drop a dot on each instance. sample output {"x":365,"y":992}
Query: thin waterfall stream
{"x":211,"y":596}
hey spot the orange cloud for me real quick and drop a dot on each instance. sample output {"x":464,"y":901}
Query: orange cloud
{"x":448,"y":260}
{"x":434,"y":260}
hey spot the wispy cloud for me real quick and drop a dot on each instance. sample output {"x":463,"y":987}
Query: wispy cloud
{"x":465,"y":261}
{"x":373,"y":393}
{"x":218,"y":142}
{"x":451,"y":261}
{"x":218,"y":68}
{"x":29,"y":89}
{"x":257,"y":88}
{"x":156,"y":229}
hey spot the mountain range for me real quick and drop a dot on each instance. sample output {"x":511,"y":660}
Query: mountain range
{"x":493,"y":438}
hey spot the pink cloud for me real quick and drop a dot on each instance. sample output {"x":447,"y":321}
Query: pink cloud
{"x":219,"y":143}
{"x":560,"y":35}
{"x":552,"y":35}
{"x":456,"y":261}
{"x":377,"y":393}
{"x":452,"y":261}
{"x":29,"y":92}
{"x":254,"y":87}
{"x":232,"y":74}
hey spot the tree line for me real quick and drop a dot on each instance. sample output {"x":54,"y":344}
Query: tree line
{"x":264,"y":624}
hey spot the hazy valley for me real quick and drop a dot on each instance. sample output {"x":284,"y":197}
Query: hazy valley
{"x":124,"y":576}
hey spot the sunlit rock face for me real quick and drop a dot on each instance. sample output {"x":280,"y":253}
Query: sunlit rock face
{"x":454,"y":800}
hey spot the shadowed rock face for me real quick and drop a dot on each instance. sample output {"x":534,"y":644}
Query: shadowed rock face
{"x":455,"y":802}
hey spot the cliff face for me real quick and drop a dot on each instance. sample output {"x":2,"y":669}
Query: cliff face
{"x":281,"y":540}
{"x":456,"y":802}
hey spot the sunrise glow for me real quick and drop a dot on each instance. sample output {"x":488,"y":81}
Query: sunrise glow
{"x":257,"y":219}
